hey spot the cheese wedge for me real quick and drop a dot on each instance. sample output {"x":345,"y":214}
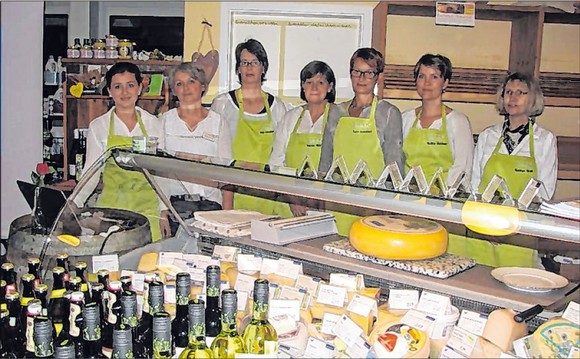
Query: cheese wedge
{"x":397,"y":237}
{"x":501,"y":329}
{"x":148,"y":262}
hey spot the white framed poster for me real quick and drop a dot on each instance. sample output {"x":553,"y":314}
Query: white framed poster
{"x":455,"y":13}
{"x":294,"y":34}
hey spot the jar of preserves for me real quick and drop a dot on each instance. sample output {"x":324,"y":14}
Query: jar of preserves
{"x":125,"y":49}
{"x":111,"y":53}
{"x":111,"y":40}
{"x":87,"y":50}
{"x":99,"y":49}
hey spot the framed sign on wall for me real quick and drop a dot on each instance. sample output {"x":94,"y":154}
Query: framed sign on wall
{"x":294,"y":34}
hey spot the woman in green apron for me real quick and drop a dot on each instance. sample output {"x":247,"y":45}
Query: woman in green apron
{"x":252,"y":116}
{"x":300,"y":134}
{"x":124,"y":189}
{"x":434,"y":135}
{"x":517,"y":149}
{"x":370,"y":129}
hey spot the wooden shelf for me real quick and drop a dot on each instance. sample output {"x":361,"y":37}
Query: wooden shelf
{"x":112,"y":61}
{"x":103,"y":97}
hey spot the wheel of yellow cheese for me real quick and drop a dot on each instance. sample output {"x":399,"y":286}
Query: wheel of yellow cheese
{"x":398,"y":237}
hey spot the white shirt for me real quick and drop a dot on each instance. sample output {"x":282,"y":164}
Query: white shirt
{"x":545,"y":148}
{"x":460,"y":140}
{"x":285,"y":129}
{"x":97,"y":138}
{"x":224,"y":105}
{"x":209,"y":138}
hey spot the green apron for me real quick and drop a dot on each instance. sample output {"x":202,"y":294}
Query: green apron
{"x":300,"y":145}
{"x":429,"y":148}
{"x":125,"y":189}
{"x":516,"y":171}
{"x":253,"y":143}
{"x":356,"y":138}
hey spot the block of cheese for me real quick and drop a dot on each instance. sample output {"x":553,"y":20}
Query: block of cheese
{"x":148,"y":262}
{"x":501,"y":329}
{"x":555,"y":339}
{"x":398,"y":237}
{"x":398,"y":340}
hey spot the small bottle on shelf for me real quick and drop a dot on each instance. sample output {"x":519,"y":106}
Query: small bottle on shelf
{"x":50,"y":69}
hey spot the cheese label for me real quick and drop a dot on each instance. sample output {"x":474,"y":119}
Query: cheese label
{"x":316,"y":348}
{"x":165,"y":259}
{"x":402,"y":224}
{"x":226,"y":253}
{"x":249,"y":263}
{"x":362,"y":305}
{"x":244,"y":283}
{"x":572,"y":312}
{"x":331,"y":295}
{"x":328,"y":322}
{"x":434,"y":304}
{"x":200,"y":261}
{"x":403,"y":298}
{"x":359,"y":349}
{"x":109,"y":262}
{"x":289,"y":307}
{"x":473,"y":322}
{"x":293,"y":293}
{"x":243,"y":300}
{"x":308,"y":283}
{"x":462,"y":341}
{"x":450,"y":353}
{"x":137,"y":282}
{"x":419,"y":320}
{"x":269,"y":266}
{"x":347,"y":330}
{"x":351,"y":281}
{"x":170,"y":295}
{"x":288,"y":268}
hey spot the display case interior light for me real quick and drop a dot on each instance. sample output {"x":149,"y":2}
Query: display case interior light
{"x":491,"y":219}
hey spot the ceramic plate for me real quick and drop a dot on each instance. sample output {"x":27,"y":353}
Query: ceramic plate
{"x":529,"y":279}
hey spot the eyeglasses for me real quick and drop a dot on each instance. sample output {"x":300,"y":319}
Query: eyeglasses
{"x":245,"y":63}
{"x":365,"y":74}
{"x":517,"y":93}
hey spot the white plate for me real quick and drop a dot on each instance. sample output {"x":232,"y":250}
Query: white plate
{"x":529,"y":279}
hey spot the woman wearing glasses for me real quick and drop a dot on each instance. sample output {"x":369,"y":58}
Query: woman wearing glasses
{"x":435,"y":135}
{"x":369,"y":129}
{"x":191,"y":131}
{"x":252,"y":114}
{"x":300,"y":133}
{"x":518,"y":148}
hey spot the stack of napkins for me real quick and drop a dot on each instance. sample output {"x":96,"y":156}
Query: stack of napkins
{"x":570,"y":209}
{"x":228,"y":223}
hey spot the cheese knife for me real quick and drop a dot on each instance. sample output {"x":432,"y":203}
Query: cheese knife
{"x":571,"y":295}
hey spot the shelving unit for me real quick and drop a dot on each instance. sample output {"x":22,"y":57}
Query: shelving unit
{"x":80,"y":111}
{"x":479,"y":85}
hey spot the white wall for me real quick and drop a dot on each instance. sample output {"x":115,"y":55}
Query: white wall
{"x":21,"y":115}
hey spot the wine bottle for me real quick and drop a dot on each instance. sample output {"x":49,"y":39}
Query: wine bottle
{"x":144,"y":342}
{"x":76,"y":321}
{"x":213,"y":324}
{"x":15,"y":333}
{"x":58,"y":305}
{"x":196,"y":347}
{"x":43,"y":338}
{"x":180,"y":324}
{"x":92,"y":332}
{"x":260,"y":337}
{"x":81,"y":272}
{"x":162,"y":343}
{"x":62,"y":261}
{"x":112,"y":305}
{"x":40,"y":293}
{"x":228,"y":342}
{"x":128,"y":318}
{"x":122,"y":340}
{"x":34,"y":309}
{"x":9,"y":275}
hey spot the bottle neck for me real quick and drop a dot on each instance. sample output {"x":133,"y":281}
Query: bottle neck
{"x":181,"y":311}
{"x":260,"y":311}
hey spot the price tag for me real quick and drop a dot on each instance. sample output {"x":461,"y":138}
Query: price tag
{"x":403,"y":298}
{"x":329,"y":320}
{"x":283,"y":324}
{"x":273,"y":291}
{"x":359,"y":349}
{"x":169,"y":293}
{"x":226,"y":253}
{"x":249,"y":263}
{"x":434,"y":304}
{"x":244,"y":283}
{"x":347,"y":330}
{"x":318,"y":349}
{"x":308,"y":283}
{"x":290,"y":307}
{"x":288,"y":268}
{"x":462,"y":341}
{"x":200,"y":261}
{"x":419,"y":320}
{"x":242,"y":300}
{"x":331,"y":295}
{"x":109,"y":262}
{"x":165,"y":259}
{"x":473,"y":322}
{"x":181,"y":264}
{"x":197,"y":276}
{"x":294,"y":293}
{"x":362,"y":305}
{"x":269,"y":266}
{"x":572,"y":312}
{"x":350,"y":281}
{"x":450,"y":353}
{"x":137,"y":282}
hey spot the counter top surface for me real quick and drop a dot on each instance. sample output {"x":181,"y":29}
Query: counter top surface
{"x":475,"y":284}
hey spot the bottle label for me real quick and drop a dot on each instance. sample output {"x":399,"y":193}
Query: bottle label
{"x":162,"y":336}
{"x":75,"y":310}
{"x":92,"y":330}
{"x":109,"y":299}
{"x":29,"y":334}
{"x":43,"y":344}
{"x":122,"y":343}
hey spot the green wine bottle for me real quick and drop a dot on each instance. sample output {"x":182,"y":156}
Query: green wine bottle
{"x":196,"y":347}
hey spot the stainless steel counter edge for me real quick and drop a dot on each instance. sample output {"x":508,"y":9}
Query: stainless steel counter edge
{"x":475,"y":284}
